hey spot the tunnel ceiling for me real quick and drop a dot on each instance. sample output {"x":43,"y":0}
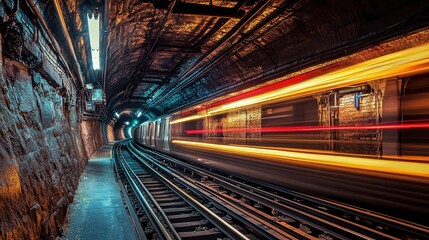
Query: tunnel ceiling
{"x":166,"y":55}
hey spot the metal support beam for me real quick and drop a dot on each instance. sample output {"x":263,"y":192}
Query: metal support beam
{"x":177,"y":48}
{"x":156,"y":72}
{"x":143,"y":64}
{"x":200,"y":9}
{"x":155,"y":81}
{"x":68,"y":39}
{"x":58,"y":51}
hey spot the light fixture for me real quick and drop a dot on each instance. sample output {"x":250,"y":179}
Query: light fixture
{"x":116,"y":114}
{"x":127,"y":123}
{"x":139,"y":114}
{"x":94,"y":38}
{"x":130,"y":132}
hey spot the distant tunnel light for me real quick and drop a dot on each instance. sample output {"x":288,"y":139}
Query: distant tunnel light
{"x":130,"y":134}
{"x":94,"y":38}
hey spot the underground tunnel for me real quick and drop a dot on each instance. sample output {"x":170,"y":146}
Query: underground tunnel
{"x":214,"y":119}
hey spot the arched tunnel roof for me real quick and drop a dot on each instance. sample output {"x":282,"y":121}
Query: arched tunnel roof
{"x":161,"y":56}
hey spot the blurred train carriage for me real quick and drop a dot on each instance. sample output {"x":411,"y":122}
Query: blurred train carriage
{"x":348,"y":142}
{"x":358,"y":119}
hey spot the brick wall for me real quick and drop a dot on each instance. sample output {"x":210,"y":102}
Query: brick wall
{"x":357,"y":141}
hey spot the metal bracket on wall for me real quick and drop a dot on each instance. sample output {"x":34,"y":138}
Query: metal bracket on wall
{"x":356,"y":99}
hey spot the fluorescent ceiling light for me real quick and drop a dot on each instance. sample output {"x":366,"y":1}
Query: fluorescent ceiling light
{"x":116,"y":114}
{"x":94,"y":38}
{"x":139,"y":114}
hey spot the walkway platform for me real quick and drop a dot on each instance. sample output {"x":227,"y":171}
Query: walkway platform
{"x":98,"y":211}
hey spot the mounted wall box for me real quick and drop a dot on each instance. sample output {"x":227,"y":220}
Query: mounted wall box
{"x":89,"y":86}
{"x":97,"y":95}
{"x":89,"y":106}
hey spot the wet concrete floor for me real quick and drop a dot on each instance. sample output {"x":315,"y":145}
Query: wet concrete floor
{"x":98,"y":211}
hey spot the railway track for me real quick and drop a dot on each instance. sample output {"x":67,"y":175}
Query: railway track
{"x":254,"y":209}
{"x":164,"y":210}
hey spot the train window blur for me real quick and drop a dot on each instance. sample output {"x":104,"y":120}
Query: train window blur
{"x":181,"y":130}
{"x":144,"y":134}
{"x":152,"y":133}
{"x":158,"y":127}
{"x":166,"y":137}
{"x":415,"y":108}
{"x":302,"y":112}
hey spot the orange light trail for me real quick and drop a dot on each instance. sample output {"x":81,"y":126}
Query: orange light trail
{"x":409,"y":168}
{"x":402,"y":63}
{"x":314,"y":128}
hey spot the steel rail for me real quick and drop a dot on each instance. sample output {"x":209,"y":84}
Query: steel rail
{"x":130,"y":175}
{"x":321,"y":224}
{"x":210,"y":196}
{"x":135,"y":221}
{"x":249,"y":191}
{"x":227,"y":228}
{"x":167,"y":222}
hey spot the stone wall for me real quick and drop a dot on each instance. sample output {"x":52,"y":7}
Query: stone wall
{"x":43,"y":149}
{"x":91,"y":134}
{"x":41,"y":155}
{"x":110,"y":133}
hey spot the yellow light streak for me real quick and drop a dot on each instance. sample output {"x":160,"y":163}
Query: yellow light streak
{"x":402,"y":63}
{"x":415,"y":169}
{"x":193,"y":117}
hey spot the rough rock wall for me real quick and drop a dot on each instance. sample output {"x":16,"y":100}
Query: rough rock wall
{"x":42,"y":153}
{"x":91,"y":134}
{"x":110,"y":133}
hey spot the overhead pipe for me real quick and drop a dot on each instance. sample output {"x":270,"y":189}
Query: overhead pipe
{"x":105,"y":45}
{"x":51,"y":37}
{"x":207,"y":67}
{"x":234,"y":31}
{"x":133,"y":83}
{"x":69,"y":42}
{"x":201,"y":9}
{"x":105,"y":40}
{"x":219,"y":93}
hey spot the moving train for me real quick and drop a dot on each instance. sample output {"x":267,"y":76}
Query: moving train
{"x":347,"y":111}
{"x":358,"y":134}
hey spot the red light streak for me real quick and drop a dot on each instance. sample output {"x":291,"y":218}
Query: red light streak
{"x":274,"y":86}
{"x":314,"y":128}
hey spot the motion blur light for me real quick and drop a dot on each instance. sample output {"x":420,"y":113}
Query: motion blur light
{"x":94,"y":38}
